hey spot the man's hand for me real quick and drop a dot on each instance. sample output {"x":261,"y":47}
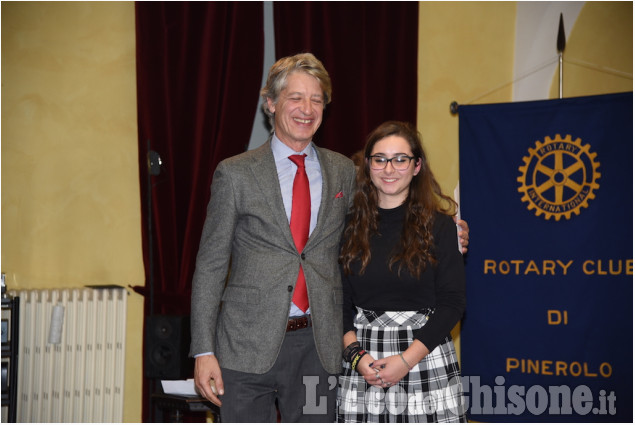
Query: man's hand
{"x":208,"y":378}
{"x":464,"y":234}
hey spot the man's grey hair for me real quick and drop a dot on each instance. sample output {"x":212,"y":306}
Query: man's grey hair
{"x":280,"y":71}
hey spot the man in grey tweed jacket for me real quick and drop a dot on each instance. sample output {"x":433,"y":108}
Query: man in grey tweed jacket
{"x":247,"y":266}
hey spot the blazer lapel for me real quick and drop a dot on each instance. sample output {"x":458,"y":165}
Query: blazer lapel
{"x":266,"y":176}
{"x":326,"y":202}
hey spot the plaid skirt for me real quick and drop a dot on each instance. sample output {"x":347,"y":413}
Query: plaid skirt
{"x":430,"y":392}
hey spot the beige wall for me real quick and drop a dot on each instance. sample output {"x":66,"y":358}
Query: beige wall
{"x":598,"y":57}
{"x":70,"y":185}
{"x":70,"y":180}
{"x":466,"y":49}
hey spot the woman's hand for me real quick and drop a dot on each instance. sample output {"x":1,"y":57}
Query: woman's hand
{"x":390,"y":370}
{"x":387,"y":372}
{"x":364,"y":369}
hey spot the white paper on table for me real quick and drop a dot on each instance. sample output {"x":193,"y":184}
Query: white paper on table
{"x":179,"y":387}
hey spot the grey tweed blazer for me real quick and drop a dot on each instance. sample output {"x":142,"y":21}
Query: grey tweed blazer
{"x":247,"y":263}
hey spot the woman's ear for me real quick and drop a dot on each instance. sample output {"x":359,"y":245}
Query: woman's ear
{"x":417,"y":166}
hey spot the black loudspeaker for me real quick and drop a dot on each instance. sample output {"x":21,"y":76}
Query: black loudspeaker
{"x":167,"y":341}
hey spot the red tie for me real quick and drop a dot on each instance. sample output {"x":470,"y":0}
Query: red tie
{"x":300,"y":221}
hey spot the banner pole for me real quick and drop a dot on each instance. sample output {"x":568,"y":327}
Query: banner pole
{"x":560,"y":67}
{"x":560,"y":45}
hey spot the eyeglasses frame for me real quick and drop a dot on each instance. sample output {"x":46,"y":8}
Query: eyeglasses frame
{"x":390,"y":160}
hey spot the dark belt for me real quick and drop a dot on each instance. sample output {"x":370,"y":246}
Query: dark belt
{"x":298,"y":323}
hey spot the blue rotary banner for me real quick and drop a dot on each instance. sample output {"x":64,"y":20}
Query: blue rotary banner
{"x":547,"y":189}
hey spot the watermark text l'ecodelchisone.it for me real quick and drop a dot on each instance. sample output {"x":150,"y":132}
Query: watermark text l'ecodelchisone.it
{"x":476,"y":399}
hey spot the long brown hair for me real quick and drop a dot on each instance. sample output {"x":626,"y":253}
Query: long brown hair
{"x":423,"y":201}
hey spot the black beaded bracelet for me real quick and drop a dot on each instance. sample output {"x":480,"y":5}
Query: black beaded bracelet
{"x":350,"y":351}
{"x":353,"y":353}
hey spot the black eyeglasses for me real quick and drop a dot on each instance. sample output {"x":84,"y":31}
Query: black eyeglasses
{"x":399,"y":162}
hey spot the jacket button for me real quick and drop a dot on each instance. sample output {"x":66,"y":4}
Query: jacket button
{"x":290,"y":288}
{"x":302,"y":256}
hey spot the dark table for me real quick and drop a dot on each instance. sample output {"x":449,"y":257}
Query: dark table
{"x":178,"y":406}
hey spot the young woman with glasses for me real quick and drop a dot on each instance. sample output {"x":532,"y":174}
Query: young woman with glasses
{"x":404,"y":289}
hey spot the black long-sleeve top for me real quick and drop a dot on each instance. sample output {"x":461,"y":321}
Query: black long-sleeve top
{"x":441,"y":286}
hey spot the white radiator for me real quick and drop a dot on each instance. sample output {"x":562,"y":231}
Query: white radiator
{"x":71,"y":355}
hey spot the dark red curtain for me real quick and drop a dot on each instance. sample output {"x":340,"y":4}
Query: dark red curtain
{"x":370,"y":52}
{"x":199,"y":68}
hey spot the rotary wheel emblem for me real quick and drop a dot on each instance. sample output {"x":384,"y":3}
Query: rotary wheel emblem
{"x":558,"y":177}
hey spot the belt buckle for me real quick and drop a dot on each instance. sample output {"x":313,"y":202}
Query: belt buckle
{"x":298,"y":323}
{"x":302,"y":322}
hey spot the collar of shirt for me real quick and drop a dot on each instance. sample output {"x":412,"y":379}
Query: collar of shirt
{"x":286,"y":174}
{"x":282,"y":152}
